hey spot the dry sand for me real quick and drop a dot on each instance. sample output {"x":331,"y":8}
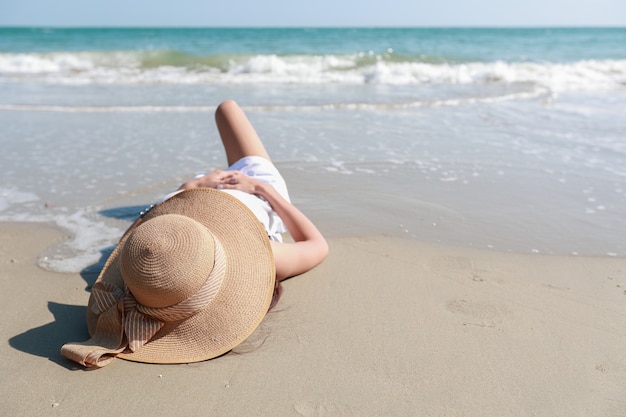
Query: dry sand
{"x":385,"y":327}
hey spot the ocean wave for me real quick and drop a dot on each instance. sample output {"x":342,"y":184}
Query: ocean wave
{"x":175,"y":67}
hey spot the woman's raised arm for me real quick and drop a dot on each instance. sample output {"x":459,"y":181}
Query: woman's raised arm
{"x":309,"y":247}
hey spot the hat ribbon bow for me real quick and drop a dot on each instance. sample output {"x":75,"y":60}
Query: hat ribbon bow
{"x":124,"y":325}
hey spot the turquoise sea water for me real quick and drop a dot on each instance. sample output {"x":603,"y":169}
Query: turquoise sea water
{"x":383,"y":56}
{"x":503,"y":139}
{"x":438,"y":44}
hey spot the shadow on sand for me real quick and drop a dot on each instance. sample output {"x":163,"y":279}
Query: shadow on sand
{"x":46,"y":341}
{"x":69,"y":320}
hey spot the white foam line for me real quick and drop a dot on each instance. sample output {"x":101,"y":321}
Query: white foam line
{"x":286,"y":108}
{"x":105,"y":109}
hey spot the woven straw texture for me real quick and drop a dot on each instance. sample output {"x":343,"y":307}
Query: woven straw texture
{"x":243,"y":298}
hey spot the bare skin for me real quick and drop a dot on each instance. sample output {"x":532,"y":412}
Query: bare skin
{"x":240,"y":139}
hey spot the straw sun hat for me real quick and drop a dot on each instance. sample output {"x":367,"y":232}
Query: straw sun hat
{"x":190,"y":283}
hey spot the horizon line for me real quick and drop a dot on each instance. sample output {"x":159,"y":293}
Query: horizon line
{"x":521,"y":26}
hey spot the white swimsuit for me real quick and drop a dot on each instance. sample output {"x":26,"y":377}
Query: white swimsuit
{"x":263,"y":170}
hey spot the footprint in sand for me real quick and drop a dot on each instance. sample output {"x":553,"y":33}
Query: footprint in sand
{"x":321,"y":409}
{"x":452,"y":262}
{"x":462,"y":267}
{"x":477,"y":314}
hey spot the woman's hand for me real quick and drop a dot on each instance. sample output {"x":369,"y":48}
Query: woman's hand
{"x":224,"y":180}
{"x":236,"y":180}
{"x":210,"y":180}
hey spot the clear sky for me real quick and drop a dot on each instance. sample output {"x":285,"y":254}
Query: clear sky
{"x":279,"y":13}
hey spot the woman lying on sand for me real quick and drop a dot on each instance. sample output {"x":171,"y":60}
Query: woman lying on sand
{"x":195,"y":275}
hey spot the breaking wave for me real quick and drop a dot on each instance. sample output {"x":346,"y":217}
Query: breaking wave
{"x":175,"y":67}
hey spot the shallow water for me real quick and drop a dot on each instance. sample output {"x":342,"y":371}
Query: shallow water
{"x":524,"y":156}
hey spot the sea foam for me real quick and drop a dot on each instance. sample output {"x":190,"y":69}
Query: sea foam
{"x":129,"y":67}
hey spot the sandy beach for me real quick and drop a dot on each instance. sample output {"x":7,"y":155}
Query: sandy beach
{"x":384,"y":327}
{"x":470,"y":182}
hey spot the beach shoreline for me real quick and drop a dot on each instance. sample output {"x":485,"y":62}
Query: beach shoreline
{"x":470,"y":183}
{"x":465,"y":176}
{"x":385,"y":326}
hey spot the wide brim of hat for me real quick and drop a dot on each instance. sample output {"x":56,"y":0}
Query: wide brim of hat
{"x":241,"y":302}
